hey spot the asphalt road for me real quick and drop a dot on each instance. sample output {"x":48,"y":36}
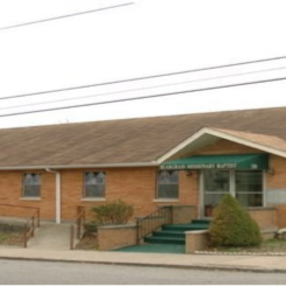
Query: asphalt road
{"x":35,"y":272}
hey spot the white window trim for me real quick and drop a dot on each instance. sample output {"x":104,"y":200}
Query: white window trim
{"x":232,"y":190}
{"x":232,"y":187}
{"x":84,"y":198}
{"x":158,"y":200}
{"x":23,"y":197}
{"x":30,"y":199}
{"x":90,"y":199}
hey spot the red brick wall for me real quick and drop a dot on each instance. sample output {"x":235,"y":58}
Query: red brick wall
{"x":223,"y":146}
{"x":11,"y":193}
{"x":277,"y":180}
{"x":135,"y":186}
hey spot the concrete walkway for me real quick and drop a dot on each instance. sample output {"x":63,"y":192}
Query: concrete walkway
{"x":51,"y":236}
{"x":216,"y":262}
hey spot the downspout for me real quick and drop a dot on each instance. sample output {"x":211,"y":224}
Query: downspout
{"x":57,"y":194}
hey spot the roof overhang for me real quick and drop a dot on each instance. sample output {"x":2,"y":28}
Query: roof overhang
{"x":207,"y":136}
{"x":81,"y":166}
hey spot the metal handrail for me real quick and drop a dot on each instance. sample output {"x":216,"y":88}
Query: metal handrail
{"x":30,"y":231}
{"x":31,"y":223}
{"x":79,"y":221}
{"x":146,"y":225}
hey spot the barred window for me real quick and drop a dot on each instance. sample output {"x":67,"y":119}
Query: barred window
{"x":94,"y":185}
{"x":32,"y":185}
{"x":168,"y":184}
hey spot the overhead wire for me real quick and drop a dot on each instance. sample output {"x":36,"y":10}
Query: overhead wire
{"x":143,"y":78}
{"x":65,"y":16}
{"x":146,"y":97}
{"x":143,"y":88}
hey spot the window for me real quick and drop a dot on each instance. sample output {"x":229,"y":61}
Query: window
{"x":168,"y":184}
{"x":249,"y":188}
{"x":94,"y":184}
{"x":246,"y":186}
{"x":31,"y":185}
{"x":216,"y":185}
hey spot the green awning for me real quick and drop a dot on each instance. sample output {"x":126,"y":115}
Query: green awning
{"x":226,"y":161}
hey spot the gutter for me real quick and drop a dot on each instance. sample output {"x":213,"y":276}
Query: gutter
{"x":80,"y":166}
{"x":57,"y":194}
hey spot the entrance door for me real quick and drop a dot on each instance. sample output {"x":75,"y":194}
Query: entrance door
{"x":215,"y":184}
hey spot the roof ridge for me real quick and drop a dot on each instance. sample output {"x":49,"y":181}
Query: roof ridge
{"x":145,"y":118}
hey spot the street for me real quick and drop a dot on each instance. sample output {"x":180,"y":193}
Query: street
{"x":38,"y":272}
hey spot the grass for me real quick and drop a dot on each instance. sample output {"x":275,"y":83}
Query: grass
{"x":269,"y":245}
{"x":87,"y":243}
{"x":11,"y":238}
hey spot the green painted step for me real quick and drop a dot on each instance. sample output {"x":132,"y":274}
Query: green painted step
{"x":154,"y":248}
{"x":163,"y":240}
{"x":184,"y":227}
{"x":201,"y":221}
{"x":166,"y":233}
{"x":175,"y":233}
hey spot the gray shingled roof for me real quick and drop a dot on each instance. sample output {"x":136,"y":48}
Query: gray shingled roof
{"x":124,"y":141}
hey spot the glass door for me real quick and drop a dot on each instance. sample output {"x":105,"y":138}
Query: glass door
{"x":216,"y":183}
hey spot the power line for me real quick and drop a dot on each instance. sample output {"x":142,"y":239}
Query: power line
{"x":65,"y":16}
{"x":143,"y":78}
{"x":147,"y":97}
{"x":143,"y":88}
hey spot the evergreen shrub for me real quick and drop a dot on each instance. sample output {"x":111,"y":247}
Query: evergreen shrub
{"x":232,"y":225}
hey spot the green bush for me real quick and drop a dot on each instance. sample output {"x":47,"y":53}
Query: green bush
{"x":232,"y":225}
{"x":116,"y":212}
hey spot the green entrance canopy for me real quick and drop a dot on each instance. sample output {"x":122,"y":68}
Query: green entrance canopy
{"x":226,"y":161}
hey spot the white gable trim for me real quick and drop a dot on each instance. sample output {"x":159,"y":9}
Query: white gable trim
{"x":222,"y":135}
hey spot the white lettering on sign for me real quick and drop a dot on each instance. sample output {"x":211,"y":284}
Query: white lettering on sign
{"x":199,"y":166}
{"x":226,"y":166}
{"x":173,"y":167}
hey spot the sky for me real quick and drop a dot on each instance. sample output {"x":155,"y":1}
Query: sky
{"x":147,"y":37}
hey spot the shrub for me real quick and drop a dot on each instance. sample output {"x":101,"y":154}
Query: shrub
{"x":116,"y":212}
{"x":232,"y":225}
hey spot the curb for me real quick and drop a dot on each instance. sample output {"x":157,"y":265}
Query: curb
{"x":254,"y":269}
{"x":240,"y":253}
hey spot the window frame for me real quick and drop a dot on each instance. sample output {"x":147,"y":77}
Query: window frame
{"x":157,"y":195}
{"x":24,"y":185}
{"x":84,"y":192}
{"x":233,"y":187}
{"x":261,"y":193}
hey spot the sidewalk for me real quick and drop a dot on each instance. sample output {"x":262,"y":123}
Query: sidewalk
{"x":196,"y":261}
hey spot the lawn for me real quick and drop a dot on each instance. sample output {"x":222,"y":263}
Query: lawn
{"x":11,"y":238}
{"x":273,"y":245}
{"x":87,"y":243}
